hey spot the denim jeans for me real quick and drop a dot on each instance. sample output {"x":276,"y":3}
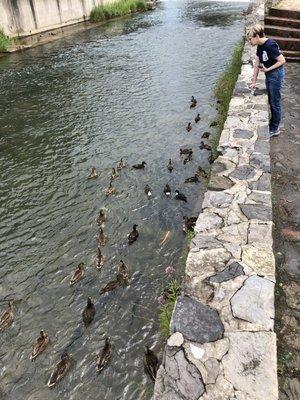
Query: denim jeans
{"x":274,"y":81}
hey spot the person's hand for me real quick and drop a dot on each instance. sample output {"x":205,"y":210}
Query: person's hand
{"x":262,"y":68}
{"x":252,"y":85}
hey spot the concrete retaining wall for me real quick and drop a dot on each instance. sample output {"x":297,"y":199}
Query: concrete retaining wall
{"x":223,"y":345}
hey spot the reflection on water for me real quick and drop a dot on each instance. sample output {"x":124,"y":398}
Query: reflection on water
{"x":120,"y":90}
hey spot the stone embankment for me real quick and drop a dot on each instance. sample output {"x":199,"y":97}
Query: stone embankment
{"x":223,"y":345}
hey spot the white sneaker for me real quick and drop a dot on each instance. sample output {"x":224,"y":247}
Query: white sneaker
{"x":274,"y":133}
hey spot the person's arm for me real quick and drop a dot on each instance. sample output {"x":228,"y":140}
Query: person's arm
{"x":255,"y":72}
{"x":280,"y":61}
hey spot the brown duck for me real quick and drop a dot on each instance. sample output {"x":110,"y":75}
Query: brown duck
{"x":204,"y":146}
{"x":105,"y":356}
{"x":7,"y":317}
{"x":78,"y":274}
{"x":60,"y":370}
{"x":186,"y":152}
{"x":101,"y":237}
{"x":133,"y":235}
{"x":101,"y":218}
{"x":109,"y":287}
{"x":121,"y":164}
{"x":88,"y":313}
{"x":39,"y":345}
{"x":193,"y":102}
{"x":192,"y":179}
{"x":189,"y":223}
{"x":170,"y":165}
{"x":110,"y":190}
{"x":150,"y":363}
{"x":100,"y":259}
{"x":197,"y":118}
{"x":93,"y":174}
{"x":189,"y":127}
{"x":122,"y":275}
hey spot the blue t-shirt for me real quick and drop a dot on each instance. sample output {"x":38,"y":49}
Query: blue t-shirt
{"x":268,"y":52}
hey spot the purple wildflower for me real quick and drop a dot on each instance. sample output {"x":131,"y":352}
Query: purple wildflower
{"x":170,"y":270}
{"x":161,"y":299}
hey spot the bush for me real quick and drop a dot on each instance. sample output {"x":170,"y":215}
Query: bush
{"x":4,"y":41}
{"x":116,"y":9}
{"x":171,"y":293}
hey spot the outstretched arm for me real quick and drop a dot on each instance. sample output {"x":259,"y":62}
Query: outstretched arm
{"x":255,"y":73}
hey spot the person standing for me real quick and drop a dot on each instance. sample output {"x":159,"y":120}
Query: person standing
{"x":269,"y":60}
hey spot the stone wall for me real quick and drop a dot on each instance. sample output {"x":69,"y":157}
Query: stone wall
{"x":223,"y":346}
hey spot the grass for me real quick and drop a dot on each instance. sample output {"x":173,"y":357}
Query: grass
{"x":116,"y":9}
{"x":223,"y":90}
{"x":4,"y":41}
{"x":171,"y":292}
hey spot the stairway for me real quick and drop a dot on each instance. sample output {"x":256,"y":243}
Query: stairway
{"x":283,"y":25}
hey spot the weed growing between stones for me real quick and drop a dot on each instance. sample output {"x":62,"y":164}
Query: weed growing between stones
{"x":169,"y":297}
{"x":116,"y":9}
{"x":5,"y":41}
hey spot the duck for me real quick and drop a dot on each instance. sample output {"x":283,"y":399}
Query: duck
{"x":114,"y":174}
{"x":180,"y":196}
{"x":186,"y":152}
{"x":110,"y":286}
{"x":89,"y":312}
{"x":205,"y":135}
{"x":110,"y":190}
{"x":189,"y":223}
{"x":204,"y":146}
{"x":78,"y":274}
{"x":93,"y":174}
{"x":139,"y":166}
{"x":101,"y":237}
{"x":170,"y":165}
{"x":121,"y":164}
{"x":122,"y":275}
{"x":101,"y":218}
{"x":197,"y":118}
{"x":193,"y":102}
{"x":202,"y":172}
{"x":187,"y":159}
{"x":189,"y":127}
{"x":167,"y":190}
{"x":7,"y":317}
{"x":105,"y":356}
{"x":192,"y":179}
{"x":211,"y":158}
{"x":150,"y":363}
{"x":100,"y":259}
{"x":60,"y":370}
{"x":39,"y":345}
{"x":132,"y":237}
{"x":147,"y":191}
{"x":214,"y":123}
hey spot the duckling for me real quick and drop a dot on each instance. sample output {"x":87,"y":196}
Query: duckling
{"x":193,"y":102}
{"x":110,"y":190}
{"x":148,"y":192}
{"x":180,"y":196}
{"x":89,"y":312}
{"x":132,"y":237}
{"x":60,"y":370}
{"x":78,"y":274}
{"x":170,"y":165}
{"x":150,"y":363}
{"x":121,"y":164}
{"x":100,"y":260}
{"x":105,"y":356}
{"x":197,"y":119}
{"x":93,"y":174}
{"x":39,"y":345}
{"x":189,"y":223}
{"x":204,"y":146}
{"x":186,"y":152}
{"x":122,"y":275}
{"x":201,"y":172}
{"x":187,"y":159}
{"x":114,"y":174}
{"x":7,"y":317}
{"x":101,"y":237}
{"x":214,"y":123}
{"x":167,"y":190}
{"x":110,"y":286}
{"x":139,"y":166}
{"x":101,"y":218}
{"x":205,"y":135}
{"x":189,"y":127}
{"x":192,"y":179}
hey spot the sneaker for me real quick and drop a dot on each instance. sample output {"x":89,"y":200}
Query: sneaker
{"x":274,"y":133}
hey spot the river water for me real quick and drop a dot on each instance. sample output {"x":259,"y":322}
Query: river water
{"x":119,"y":90}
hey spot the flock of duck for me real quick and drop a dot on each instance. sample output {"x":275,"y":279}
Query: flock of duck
{"x":122,"y":277}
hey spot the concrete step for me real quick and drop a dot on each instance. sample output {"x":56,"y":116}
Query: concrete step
{"x":284,"y":13}
{"x":287,"y":43}
{"x":291,"y":56}
{"x":292,"y":59}
{"x":278,"y":21}
{"x":274,"y":30}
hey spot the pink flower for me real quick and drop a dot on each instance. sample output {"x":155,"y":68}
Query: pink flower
{"x":161,"y":299}
{"x":170,"y":270}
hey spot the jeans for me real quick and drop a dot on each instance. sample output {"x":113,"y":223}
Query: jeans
{"x":274,"y":81}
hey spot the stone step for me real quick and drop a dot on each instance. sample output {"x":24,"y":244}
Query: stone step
{"x":278,"y":21}
{"x":291,"y":56}
{"x":281,"y":31}
{"x":287,"y":43}
{"x":284,"y":13}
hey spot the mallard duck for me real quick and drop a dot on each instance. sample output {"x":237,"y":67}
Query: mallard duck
{"x":121,"y":164}
{"x":89,"y":312}
{"x":39,"y":345}
{"x":189,"y":127}
{"x":201,"y":172}
{"x":147,"y":191}
{"x":205,"y":135}
{"x":189,"y":223}
{"x":101,"y":237}
{"x":78,"y":274}
{"x":100,"y":260}
{"x":180,"y":196}
{"x":167,"y":190}
{"x":139,"y":166}
{"x":101,"y":218}
{"x":7,"y":317}
{"x":193,"y":102}
{"x":110,"y":190}
{"x":192,"y":179}
{"x":170,"y":165}
{"x":132,"y":237}
{"x":105,"y":356}
{"x":93,"y":174}
{"x":122,"y":273}
{"x":114,"y":174}
{"x":150,"y":363}
{"x":197,"y":118}
{"x":187,"y":159}
{"x":186,"y":152}
{"x":214,"y":123}
{"x":110,"y":286}
{"x":204,"y":146}
{"x":60,"y":370}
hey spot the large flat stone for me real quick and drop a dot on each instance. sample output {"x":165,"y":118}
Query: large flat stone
{"x":216,"y":199}
{"x":207,"y":221}
{"x":196,"y":321}
{"x":261,"y":161}
{"x":204,"y":241}
{"x":232,"y":271}
{"x":258,"y":230}
{"x":263,"y":183}
{"x":243,"y":134}
{"x":221,"y":390}
{"x":243,"y":172}
{"x":254,"y":302}
{"x":218,"y":182}
{"x":250,"y":364}
{"x":259,"y":258}
{"x":257,"y":211}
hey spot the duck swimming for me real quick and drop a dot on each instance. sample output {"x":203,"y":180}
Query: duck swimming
{"x":114,"y":174}
{"x":197,"y":119}
{"x":187,"y":159}
{"x":93,"y":174}
{"x":105,"y":356}
{"x":101,"y":218}
{"x":78,"y":274}
{"x":121,"y":164}
{"x":39,"y":345}
{"x":89,"y":312}
{"x":139,"y":166}
{"x":180,"y":196}
{"x":205,"y":135}
{"x":60,"y":370}
{"x":202,"y":172}
{"x":204,"y":146}
{"x":150,"y":363}
{"x":147,"y":191}
{"x":122,"y":275}
{"x":167,"y":190}
{"x":100,"y":260}
{"x":132,"y":237}
{"x":193,"y":102}
{"x":101,"y":237}
{"x":189,"y":127}
{"x":189,"y":223}
{"x":110,"y":190}
{"x":7,"y":317}
{"x":192,"y":179}
{"x":170,"y":165}
{"x":110,"y":286}
{"x":186,"y":151}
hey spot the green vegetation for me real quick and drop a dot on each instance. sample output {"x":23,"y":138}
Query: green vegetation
{"x":4,"y":41}
{"x":171,"y":293}
{"x":223,"y":91}
{"x":117,"y":9}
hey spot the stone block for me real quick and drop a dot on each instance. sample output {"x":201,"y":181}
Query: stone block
{"x":259,"y":258}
